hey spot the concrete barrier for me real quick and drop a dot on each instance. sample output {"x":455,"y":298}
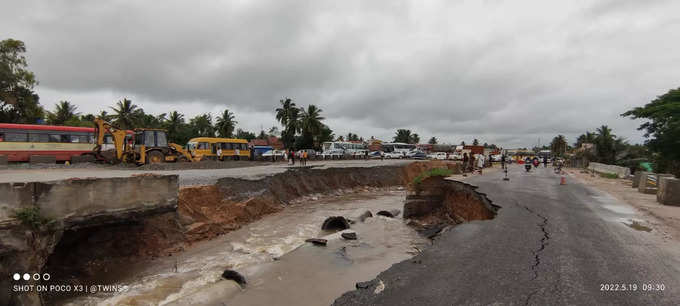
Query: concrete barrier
{"x":42,"y":159}
{"x":621,"y":172}
{"x":79,"y":202}
{"x":82,"y":159}
{"x":636,"y":179}
{"x":669,"y":191}
{"x":14,"y":196}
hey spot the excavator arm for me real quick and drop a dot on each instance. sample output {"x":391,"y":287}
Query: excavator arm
{"x":101,"y":129}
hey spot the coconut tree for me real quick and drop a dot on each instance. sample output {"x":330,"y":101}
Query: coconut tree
{"x":64,"y":111}
{"x":432,"y":140}
{"x":310,"y":125}
{"x":558,"y":145}
{"x":288,"y":115}
{"x":403,"y":135}
{"x":226,"y":124}
{"x":125,"y":114}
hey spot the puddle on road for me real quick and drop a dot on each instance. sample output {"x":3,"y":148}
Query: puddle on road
{"x":637,"y":225}
{"x":281,"y":269}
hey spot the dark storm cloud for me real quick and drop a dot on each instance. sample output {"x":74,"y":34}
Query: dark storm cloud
{"x":500,"y":71}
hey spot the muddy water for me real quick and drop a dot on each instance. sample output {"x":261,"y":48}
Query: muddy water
{"x":281,"y":269}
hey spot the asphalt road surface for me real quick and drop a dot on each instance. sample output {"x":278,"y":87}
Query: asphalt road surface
{"x":550,"y":244}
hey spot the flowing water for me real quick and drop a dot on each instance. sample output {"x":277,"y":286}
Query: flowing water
{"x":281,"y":269}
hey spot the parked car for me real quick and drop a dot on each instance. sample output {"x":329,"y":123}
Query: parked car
{"x":418,"y":155}
{"x":496,"y":158}
{"x":375,"y":154}
{"x":278,"y":153}
{"x":437,"y":155}
{"x":455,"y":156}
{"x":393,"y":155}
{"x":412,"y":153}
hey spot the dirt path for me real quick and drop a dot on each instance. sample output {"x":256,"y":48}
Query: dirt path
{"x":664,"y":219}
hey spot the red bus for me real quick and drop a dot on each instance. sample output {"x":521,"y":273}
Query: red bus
{"x":19,"y":141}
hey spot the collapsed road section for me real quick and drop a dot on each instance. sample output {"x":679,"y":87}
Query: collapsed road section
{"x":85,"y":230}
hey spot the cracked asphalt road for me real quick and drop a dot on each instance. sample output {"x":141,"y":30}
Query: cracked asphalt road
{"x":550,"y":244}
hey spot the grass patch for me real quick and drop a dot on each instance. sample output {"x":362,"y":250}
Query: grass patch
{"x":31,"y":217}
{"x":609,"y":175}
{"x":429,"y":173}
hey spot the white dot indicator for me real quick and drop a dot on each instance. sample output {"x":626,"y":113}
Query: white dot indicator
{"x":27,"y":276}
{"x":17,"y":276}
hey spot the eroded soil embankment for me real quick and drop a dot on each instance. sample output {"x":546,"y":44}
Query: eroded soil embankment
{"x":437,"y":202}
{"x":208,"y":211}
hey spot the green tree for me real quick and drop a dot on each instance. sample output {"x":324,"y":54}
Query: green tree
{"x":325,"y":135}
{"x":178,"y":131}
{"x":432,"y":140}
{"x":588,"y":137}
{"x":403,"y":135}
{"x":63,"y":111}
{"x":202,"y":126}
{"x":462,"y":143}
{"x":288,"y":115}
{"x":414,"y":138}
{"x":310,"y":126}
{"x":475,"y":142}
{"x":126,"y":114}
{"x":18,"y":102}
{"x":226,"y":124}
{"x":662,"y":129}
{"x":245,"y":135}
{"x":558,"y":146}
{"x":604,"y":145}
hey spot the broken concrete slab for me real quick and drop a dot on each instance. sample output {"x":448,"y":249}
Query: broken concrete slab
{"x":349,"y":235}
{"x":366,"y":214}
{"x":335,"y":223}
{"x":389,"y":213}
{"x":317,"y":241}
{"x":235,"y":276}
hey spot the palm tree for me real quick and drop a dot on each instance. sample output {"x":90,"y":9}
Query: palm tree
{"x":201,"y":125}
{"x":311,"y":125}
{"x":605,"y":142}
{"x":226,"y":124}
{"x":558,"y":145}
{"x":403,"y":135}
{"x":475,"y":142}
{"x":64,"y":111}
{"x":287,"y":115}
{"x":414,"y":138}
{"x":125,"y":114}
{"x":310,"y":120}
{"x":432,"y":140}
{"x":174,"y":125}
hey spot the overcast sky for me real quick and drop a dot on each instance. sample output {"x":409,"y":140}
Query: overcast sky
{"x":505,"y":72}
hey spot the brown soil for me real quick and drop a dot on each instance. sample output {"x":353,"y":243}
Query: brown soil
{"x":205,"y":212}
{"x":437,"y":202}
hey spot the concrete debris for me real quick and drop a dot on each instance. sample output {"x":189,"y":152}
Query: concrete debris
{"x":235,"y":276}
{"x":336,"y":223}
{"x":390,"y":214}
{"x":349,"y":235}
{"x":317,"y":241}
{"x":365,"y":215}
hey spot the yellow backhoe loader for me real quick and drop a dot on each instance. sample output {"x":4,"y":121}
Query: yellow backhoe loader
{"x":148,"y":146}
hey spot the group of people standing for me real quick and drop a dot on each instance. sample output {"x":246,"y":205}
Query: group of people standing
{"x":303,"y":156}
{"x":474,"y":162}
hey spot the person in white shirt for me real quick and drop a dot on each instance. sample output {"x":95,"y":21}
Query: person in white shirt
{"x":219,"y":152}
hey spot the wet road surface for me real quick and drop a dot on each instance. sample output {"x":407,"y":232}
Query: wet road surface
{"x":550,"y":244}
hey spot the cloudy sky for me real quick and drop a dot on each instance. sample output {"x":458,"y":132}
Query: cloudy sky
{"x":505,"y":72}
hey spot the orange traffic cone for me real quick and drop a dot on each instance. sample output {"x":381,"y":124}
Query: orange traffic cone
{"x":563,"y":180}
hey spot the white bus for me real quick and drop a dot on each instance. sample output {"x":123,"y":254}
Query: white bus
{"x":339,"y":149}
{"x":398,"y":147}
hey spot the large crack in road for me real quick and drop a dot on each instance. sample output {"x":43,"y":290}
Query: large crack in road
{"x":537,"y":253}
